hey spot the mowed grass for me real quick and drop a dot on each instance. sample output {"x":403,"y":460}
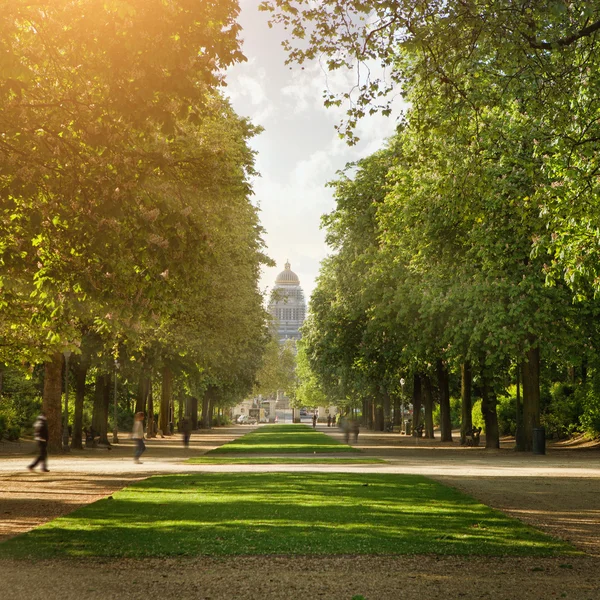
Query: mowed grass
{"x":283,"y":439}
{"x":280,"y":460}
{"x":283,"y":513}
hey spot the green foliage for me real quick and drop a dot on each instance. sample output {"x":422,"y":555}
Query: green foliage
{"x":218,"y":514}
{"x":590,"y":418}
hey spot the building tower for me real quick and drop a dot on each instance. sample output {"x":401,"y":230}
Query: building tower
{"x":287,"y":305}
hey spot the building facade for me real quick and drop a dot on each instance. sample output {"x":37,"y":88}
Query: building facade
{"x":287,"y":305}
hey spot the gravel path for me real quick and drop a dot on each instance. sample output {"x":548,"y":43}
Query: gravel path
{"x":559,"y":492}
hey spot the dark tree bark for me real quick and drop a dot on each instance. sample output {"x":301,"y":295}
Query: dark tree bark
{"x":428,"y":403}
{"x":80,"y":369}
{"x":207,"y":400}
{"x":445,"y":417}
{"x":417,"y":400}
{"x":165,"y":401}
{"x":466,"y":386}
{"x":211,"y":411}
{"x":194,"y":412}
{"x":490,"y":416}
{"x":531,"y":396}
{"x":365,"y":413}
{"x":397,"y":410}
{"x":51,"y":402}
{"x":151,"y":416}
{"x":141,"y":399}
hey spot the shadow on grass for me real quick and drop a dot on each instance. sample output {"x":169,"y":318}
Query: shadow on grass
{"x":284,"y":513}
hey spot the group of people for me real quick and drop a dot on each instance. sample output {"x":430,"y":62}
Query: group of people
{"x":41,"y":437}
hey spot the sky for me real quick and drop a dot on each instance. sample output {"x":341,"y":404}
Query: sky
{"x":299,"y":150}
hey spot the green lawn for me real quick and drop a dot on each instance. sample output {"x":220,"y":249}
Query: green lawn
{"x":283,"y":439}
{"x":280,"y":460}
{"x":283,"y":513}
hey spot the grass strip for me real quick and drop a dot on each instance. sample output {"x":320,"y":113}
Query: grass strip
{"x":280,"y":460}
{"x":217,"y":514}
{"x":283,"y":439}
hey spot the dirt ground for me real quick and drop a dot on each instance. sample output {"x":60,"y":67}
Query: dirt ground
{"x":558,"y":492}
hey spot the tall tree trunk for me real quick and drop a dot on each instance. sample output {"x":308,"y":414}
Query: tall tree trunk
{"x":51,"y":402}
{"x":466,"y":385}
{"x":1,"y":378}
{"x":165,"y":401}
{"x":531,"y":396}
{"x":194,"y":412}
{"x":151,"y":415}
{"x":141,"y":399}
{"x":445,"y":417}
{"x":428,"y":403}
{"x":490,"y":416}
{"x":211,"y":411}
{"x":206,"y":402}
{"x":181,"y":408}
{"x":101,"y":404}
{"x":97,"y":408}
{"x":397,"y":410}
{"x":417,"y":400}
{"x":365,"y":412}
{"x":80,"y":368}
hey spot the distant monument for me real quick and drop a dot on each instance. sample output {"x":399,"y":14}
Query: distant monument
{"x":287,"y":305}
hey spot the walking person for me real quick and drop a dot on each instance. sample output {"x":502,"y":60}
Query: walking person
{"x":138,"y":437}
{"x":186,"y":429}
{"x":314,"y":420}
{"x":40,"y":431}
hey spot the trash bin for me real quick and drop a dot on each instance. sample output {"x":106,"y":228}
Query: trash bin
{"x":539,"y":440}
{"x":407,"y":427}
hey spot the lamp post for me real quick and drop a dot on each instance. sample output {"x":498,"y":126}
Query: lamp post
{"x":65,"y":436}
{"x":115,"y":431}
{"x":402,"y":405}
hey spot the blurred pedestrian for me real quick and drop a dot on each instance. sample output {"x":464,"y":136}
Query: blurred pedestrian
{"x":333,"y":421}
{"x":345,"y":427}
{"x":138,"y":437}
{"x":40,"y":431}
{"x":186,"y":429}
{"x":314,"y":420}
{"x":328,"y":420}
{"x":355,"y":430}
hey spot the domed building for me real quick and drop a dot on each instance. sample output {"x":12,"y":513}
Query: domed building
{"x":287,"y":305}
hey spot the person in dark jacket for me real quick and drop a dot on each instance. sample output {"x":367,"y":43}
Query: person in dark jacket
{"x":40,"y":430}
{"x":186,"y":429}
